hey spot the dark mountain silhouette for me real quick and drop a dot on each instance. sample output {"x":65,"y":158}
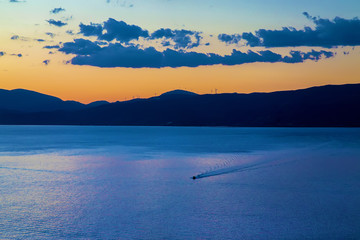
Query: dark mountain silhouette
{"x":326,"y":106}
{"x":97,"y":103}
{"x":29,"y":101}
{"x":177,"y":93}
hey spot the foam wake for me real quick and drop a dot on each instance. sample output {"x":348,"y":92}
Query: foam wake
{"x":228,"y":167}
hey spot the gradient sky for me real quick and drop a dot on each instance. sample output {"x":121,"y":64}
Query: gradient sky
{"x":75,"y":75}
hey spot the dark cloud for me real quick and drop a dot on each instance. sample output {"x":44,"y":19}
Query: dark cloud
{"x":112,"y":29}
{"x":80,"y":47}
{"x":123,"y":32}
{"x":117,"y":55}
{"x":46,"y":62}
{"x":57,"y":10}
{"x":163,"y":32}
{"x":229,"y":39}
{"x":251,"y":39}
{"x":16,"y":1}
{"x":327,"y":33}
{"x":91,"y":30}
{"x":2,"y":54}
{"x":56,"y":23}
{"x":181,"y":38}
{"x":40,"y":40}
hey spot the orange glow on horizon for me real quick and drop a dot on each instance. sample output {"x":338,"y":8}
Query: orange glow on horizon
{"x":87,"y":84}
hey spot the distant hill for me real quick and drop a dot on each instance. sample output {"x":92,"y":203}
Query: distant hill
{"x":22,"y":100}
{"x":326,"y":106}
{"x":178,"y":93}
{"x":97,"y":103}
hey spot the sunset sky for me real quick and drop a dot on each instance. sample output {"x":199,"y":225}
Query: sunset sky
{"x":89,"y":50}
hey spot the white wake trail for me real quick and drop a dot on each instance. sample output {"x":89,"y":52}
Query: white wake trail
{"x":229,"y":167}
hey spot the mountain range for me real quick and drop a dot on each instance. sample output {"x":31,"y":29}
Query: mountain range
{"x":324,"y":106}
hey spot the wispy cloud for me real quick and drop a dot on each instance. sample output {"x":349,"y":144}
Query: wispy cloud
{"x":11,"y":54}
{"x":50,"y":34}
{"x":26,"y":39}
{"x":124,"y":4}
{"x":52,"y":47}
{"x":57,"y":10}
{"x":17,"y":1}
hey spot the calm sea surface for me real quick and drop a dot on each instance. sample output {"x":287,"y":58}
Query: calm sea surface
{"x":69,"y":182}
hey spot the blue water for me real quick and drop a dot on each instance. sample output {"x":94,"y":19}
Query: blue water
{"x":69,"y":182}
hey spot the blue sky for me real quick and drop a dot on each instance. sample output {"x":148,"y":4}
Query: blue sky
{"x":212,"y":16}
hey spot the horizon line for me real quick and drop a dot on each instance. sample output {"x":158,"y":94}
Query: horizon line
{"x":179,"y":89}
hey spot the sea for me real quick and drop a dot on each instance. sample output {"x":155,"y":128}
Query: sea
{"x":120,"y":182}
